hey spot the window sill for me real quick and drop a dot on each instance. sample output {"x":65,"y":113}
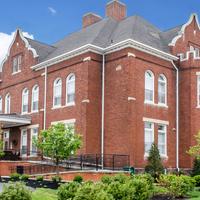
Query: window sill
{"x":34,"y":111}
{"x":70,"y":104}
{"x":165,"y":157}
{"x":56,"y":107}
{"x":154,"y":104}
{"x":25,"y":113}
{"x":16,"y":72}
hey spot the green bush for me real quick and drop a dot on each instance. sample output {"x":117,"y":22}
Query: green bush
{"x":154,"y":165}
{"x":196,"y":167}
{"x":15,"y":191}
{"x":106,"y":179}
{"x":78,"y":179}
{"x":178,"y":186}
{"x":24,"y":177}
{"x":56,"y":179}
{"x":197,"y":180}
{"x":68,"y":191}
{"x":89,"y":191}
{"x":15,"y":176}
{"x":39,"y":178}
{"x":121,"y":178}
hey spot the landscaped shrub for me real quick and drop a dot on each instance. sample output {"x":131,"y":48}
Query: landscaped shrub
{"x":68,"y":191}
{"x":88,"y":191}
{"x":106,"y":179}
{"x":39,"y":178}
{"x":145,"y":177}
{"x":15,"y":191}
{"x":78,"y":179}
{"x":196,"y":167}
{"x":24,"y":177}
{"x":15,"y":176}
{"x":154,"y":165}
{"x":56,"y":179}
{"x":121,"y":178}
{"x":178,"y":186}
{"x":197,"y":180}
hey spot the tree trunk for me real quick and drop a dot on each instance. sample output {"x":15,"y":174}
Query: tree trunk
{"x":57,"y":166}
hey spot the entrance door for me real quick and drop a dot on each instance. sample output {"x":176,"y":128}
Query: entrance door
{"x":6,"y":140}
{"x":24,"y":142}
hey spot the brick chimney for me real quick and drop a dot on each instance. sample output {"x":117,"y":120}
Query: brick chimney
{"x":116,"y":10}
{"x":90,"y":18}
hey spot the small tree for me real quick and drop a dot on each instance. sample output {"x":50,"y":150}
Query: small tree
{"x":1,"y":144}
{"x":154,"y":165}
{"x":58,"y":142}
{"x":194,"y":151}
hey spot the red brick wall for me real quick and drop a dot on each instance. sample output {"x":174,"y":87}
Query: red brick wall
{"x":189,"y":113}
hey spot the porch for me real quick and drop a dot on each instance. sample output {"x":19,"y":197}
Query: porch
{"x":15,"y":136}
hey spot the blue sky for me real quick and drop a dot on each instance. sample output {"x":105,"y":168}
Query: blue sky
{"x":35,"y":17}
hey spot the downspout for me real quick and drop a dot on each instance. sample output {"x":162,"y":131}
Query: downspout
{"x":177,"y":116}
{"x":45,"y":98}
{"x":102,"y":111}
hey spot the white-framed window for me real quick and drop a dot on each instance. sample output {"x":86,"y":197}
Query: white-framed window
{"x":162,"y":90}
{"x":162,"y":139}
{"x":70,"y":89}
{"x":198,"y":90}
{"x":149,"y":87}
{"x":24,"y":142}
{"x":17,"y":61}
{"x":7,"y":103}
{"x":34,"y":136}
{"x":35,"y":99}
{"x":1,"y":104}
{"x":57,"y":92}
{"x":25,"y":94}
{"x":148,"y":136}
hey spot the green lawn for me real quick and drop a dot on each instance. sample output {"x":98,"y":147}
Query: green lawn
{"x":44,"y":194}
{"x":195,"y":195}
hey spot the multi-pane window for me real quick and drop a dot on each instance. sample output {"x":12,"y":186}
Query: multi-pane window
{"x":162,"y":90}
{"x":57,"y":92}
{"x":17,"y":61}
{"x":148,"y":136}
{"x":25,"y":94}
{"x":35,"y":98}
{"x":162,"y":146}
{"x":149,"y":87}
{"x":70,"y":87}
{"x":34,"y":136}
{"x":1,"y":105}
{"x":198,"y":90}
{"x":7,"y":104}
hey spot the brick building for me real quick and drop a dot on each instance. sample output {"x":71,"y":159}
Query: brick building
{"x":121,"y":81}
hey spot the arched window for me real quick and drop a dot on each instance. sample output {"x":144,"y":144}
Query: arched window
{"x":25,"y":94}
{"x":7,"y":104}
{"x":70,"y":89}
{"x":57,"y":92}
{"x":35,"y":98}
{"x":149,"y":87}
{"x":162,"y":90}
{"x":1,"y":108}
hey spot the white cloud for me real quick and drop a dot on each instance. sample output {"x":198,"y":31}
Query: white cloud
{"x":5,"y":41}
{"x":52,"y":10}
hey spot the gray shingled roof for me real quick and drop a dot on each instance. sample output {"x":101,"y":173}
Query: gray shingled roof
{"x":107,"y":32}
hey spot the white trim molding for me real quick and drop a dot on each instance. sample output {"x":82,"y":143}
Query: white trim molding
{"x":129,"y":43}
{"x":182,"y":31}
{"x":68,"y":121}
{"x":156,"y":121}
{"x":27,"y":45}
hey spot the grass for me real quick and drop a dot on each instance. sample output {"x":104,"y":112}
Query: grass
{"x":195,"y":195}
{"x":44,"y":194}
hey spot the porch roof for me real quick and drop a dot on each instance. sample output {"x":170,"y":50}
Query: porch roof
{"x":14,"y":120}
